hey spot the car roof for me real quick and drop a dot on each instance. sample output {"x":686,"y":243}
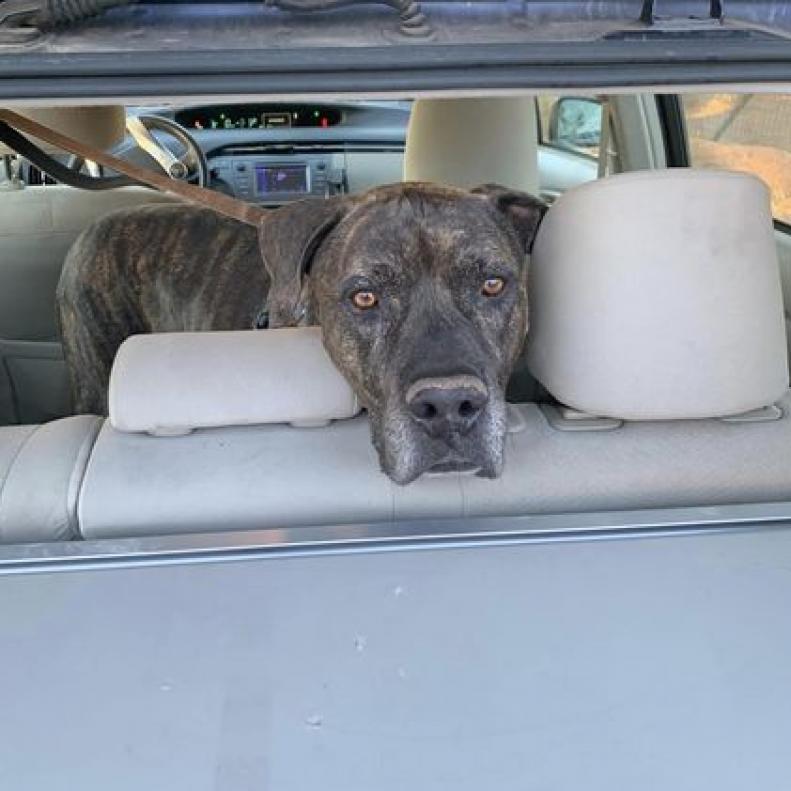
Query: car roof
{"x":150,"y":50}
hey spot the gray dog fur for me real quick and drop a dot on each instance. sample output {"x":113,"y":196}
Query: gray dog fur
{"x":430,"y":361}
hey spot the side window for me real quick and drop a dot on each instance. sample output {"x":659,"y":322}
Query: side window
{"x":569,"y":136}
{"x":747,"y":132}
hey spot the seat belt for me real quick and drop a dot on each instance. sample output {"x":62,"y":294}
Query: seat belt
{"x":605,"y":153}
{"x":217,"y":201}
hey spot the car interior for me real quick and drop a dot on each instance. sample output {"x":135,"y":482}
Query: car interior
{"x":655,"y":373}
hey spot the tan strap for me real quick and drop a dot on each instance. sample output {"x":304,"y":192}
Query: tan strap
{"x":223,"y":204}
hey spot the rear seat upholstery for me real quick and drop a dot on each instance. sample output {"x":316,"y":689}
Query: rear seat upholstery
{"x":41,"y":471}
{"x":37,"y":227}
{"x":281,"y":476}
{"x":649,"y":450}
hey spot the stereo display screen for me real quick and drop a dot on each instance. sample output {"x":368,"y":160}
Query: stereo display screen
{"x":276,"y":179}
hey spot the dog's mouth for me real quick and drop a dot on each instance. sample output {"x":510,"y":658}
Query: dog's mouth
{"x":407,"y":451}
{"x":480,"y":455}
{"x":452,"y":465}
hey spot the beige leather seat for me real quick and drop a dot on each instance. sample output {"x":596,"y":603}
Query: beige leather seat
{"x":38,"y":224}
{"x":472,"y":141}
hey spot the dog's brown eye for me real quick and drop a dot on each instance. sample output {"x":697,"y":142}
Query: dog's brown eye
{"x":492,"y":286}
{"x":364,"y":300}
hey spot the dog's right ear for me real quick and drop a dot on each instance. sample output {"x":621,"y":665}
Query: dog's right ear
{"x":289,"y":238}
{"x":524,"y":211}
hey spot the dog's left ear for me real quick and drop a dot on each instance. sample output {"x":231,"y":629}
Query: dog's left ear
{"x":289,"y":238}
{"x":523,"y":210}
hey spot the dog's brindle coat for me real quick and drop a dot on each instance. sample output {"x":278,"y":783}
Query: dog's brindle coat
{"x":420,"y":290}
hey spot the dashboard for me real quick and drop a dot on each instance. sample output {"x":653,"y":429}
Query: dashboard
{"x":273,"y":153}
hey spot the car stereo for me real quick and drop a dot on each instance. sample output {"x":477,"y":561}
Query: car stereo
{"x":273,"y":179}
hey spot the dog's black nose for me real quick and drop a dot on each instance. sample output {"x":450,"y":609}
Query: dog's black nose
{"x":447,"y":406}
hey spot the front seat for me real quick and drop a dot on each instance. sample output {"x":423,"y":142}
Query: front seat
{"x":468,"y":142}
{"x":38,"y":225}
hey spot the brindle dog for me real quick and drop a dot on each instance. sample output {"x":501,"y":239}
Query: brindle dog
{"x":420,"y":290}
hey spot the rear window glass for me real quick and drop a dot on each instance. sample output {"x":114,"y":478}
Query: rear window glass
{"x":747,"y":132}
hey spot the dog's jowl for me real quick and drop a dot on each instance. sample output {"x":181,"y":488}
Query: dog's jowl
{"x":420,"y":290}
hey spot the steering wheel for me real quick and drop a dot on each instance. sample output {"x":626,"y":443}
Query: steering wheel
{"x":190,"y":163}
{"x":182,"y":158}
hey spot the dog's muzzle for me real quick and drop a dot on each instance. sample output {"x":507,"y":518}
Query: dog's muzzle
{"x":444,"y":424}
{"x":447,"y":406}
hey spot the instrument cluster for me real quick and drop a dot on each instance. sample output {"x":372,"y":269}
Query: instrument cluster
{"x":258,"y":116}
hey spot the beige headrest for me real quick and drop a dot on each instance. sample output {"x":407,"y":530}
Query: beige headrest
{"x":102,"y":127}
{"x":468,"y":142}
{"x":657,"y":295}
{"x":171,"y":383}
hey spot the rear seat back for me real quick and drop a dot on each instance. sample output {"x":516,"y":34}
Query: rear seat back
{"x":281,"y":476}
{"x":225,"y":474}
{"x":691,"y":313}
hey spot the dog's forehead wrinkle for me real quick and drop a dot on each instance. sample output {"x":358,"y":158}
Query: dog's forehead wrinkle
{"x":467,"y":247}
{"x":431,"y":302}
{"x":376,"y":269}
{"x":368,"y":242}
{"x":440,"y":231}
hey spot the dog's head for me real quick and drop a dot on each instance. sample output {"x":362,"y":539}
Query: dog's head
{"x":421,"y":293}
